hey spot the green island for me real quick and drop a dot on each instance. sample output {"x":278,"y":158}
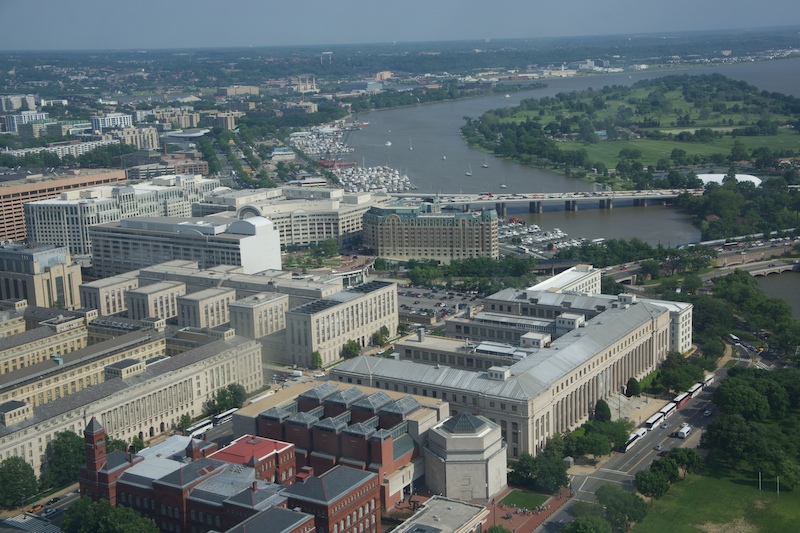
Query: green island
{"x":623,"y":136}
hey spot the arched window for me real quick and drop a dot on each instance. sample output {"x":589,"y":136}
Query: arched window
{"x":191,"y":514}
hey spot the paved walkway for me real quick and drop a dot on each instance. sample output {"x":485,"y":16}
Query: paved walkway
{"x":524,"y":520}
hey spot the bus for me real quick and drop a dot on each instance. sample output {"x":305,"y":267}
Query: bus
{"x":198,"y":429}
{"x":695,"y":389}
{"x":224,"y":417}
{"x":735,"y":339}
{"x":709,"y":379}
{"x":634,"y":438}
{"x":654,"y":421}
{"x":668,"y":410}
{"x":681,"y":399}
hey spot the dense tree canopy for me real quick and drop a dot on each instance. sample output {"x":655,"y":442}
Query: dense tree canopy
{"x":87,"y":516}
{"x":19,"y":482}
{"x":64,"y":456}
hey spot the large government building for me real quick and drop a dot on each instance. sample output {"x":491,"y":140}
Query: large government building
{"x":403,"y":232}
{"x":534,"y":361}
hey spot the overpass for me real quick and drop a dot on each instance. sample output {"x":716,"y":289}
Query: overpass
{"x":535,"y":202}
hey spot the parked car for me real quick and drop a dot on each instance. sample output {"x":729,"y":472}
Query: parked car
{"x":707,"y":412}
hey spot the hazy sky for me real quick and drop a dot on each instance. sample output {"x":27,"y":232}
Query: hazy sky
{"x":148,"y":24}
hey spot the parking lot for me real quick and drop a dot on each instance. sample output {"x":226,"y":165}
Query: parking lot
{"x":427,"y":304}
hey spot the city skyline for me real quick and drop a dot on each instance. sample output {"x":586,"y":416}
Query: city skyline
{"x":95,"y":25}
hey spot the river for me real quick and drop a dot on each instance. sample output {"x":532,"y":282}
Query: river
{"x":426,"y":145}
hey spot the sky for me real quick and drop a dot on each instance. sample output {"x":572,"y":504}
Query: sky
{"x":153,"y":24}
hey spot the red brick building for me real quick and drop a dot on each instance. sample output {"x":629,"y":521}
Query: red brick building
{"x":342,"y":500}
{"x":272,"y":460}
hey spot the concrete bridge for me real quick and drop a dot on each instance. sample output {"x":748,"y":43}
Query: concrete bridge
{"x":535,"y":202}
{"x":775,"y":268}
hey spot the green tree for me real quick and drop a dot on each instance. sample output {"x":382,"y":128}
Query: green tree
{"x":688,"y":459}
{"x":87,"y":516}
{"x":316,"y":359}
{"x":116,"y":445}
{"x":595,"y":444}
{"x":653,"y":484}
{"x":588,"y":524}
{"x":137,"y":444}
{"x":622,"y":507}
{"x":238,"y":395}
{"x":666,"y":466}
{"x":351,"y":349}
{"x":691,"y":283}
{"x":403,"y":328}
{"x":330,"y":247}
{"x":185,"y":422}
{"x":63,"y":458}
{"x":633,"y":388}
{"x":19,"y":482}
{"x":602,"y":412}
{"x":735,"y":396}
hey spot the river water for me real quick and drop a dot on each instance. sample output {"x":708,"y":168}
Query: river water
{"x":426,"y":146}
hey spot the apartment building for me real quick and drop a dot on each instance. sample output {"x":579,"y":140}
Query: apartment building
{"x":326,"y":325}
{"x":13,"y":122}
{"x":66,"y":220}
{"x":73,"y":148}
{"x":136,"y":243}
{"x":111,"y":120}
{"x":205,"y":309}
{"x":43,"y":275}
{"x":403,"y":232}
{"x":20,"y":189}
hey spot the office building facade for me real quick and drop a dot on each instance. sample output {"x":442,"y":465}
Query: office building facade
{"x":44,"y":275}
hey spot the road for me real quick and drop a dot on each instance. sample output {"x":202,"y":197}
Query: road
{"x":621,"y":468}
{"x":55,"y":518}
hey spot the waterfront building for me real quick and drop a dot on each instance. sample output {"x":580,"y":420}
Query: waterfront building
{"x":66,"y":220}
{"x":401,"y":232}
{"x":303,"y":215}
{"x":145,"y":404}
{"x":326,"y":325}
{"x":16,"y":190}
{"x":137,"y":243}
{"x":43,"y":275}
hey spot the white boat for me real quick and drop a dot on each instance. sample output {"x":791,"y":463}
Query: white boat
{"x":444,"y":158}
{"x":508,"y":96}
{"x":410,"y":146}
{"x":486,"y":162}
{"x":388,"y":143}
{"x":502,"y":185}
{"x":469,"y":172}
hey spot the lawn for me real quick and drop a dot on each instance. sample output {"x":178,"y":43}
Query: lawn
{"x":524,"y":500}
{"x":723,"y":501}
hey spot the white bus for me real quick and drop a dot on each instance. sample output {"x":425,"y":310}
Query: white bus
{"x":695,"y":389}
{"x":681,"y":399}
{"x":634,"y":438}
{"x":708,"y":380}
{"x":198,"y":429}
{"x":668,"y":410}
{"x":224,"y":417}
{"x":654,"y":421}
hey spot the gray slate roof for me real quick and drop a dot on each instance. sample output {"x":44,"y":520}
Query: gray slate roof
{"x":330,"y":486}
{"x":274,"y":520}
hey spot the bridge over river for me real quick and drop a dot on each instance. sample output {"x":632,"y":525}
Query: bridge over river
{"x":535,"y":202}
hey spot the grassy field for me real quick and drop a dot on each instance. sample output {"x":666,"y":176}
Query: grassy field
{"x":653,"y":150}
{"x":524,"y":500}
{"x":724,"y":502}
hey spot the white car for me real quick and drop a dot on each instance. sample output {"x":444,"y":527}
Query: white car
{"x":707,"y":412}
{"x":319,"y":375}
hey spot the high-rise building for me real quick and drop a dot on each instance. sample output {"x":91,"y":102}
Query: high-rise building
{"x":403,"y":232}
{"x":65,"y":221}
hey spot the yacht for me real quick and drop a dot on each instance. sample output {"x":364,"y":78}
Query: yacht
{"x":388,"y":143}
